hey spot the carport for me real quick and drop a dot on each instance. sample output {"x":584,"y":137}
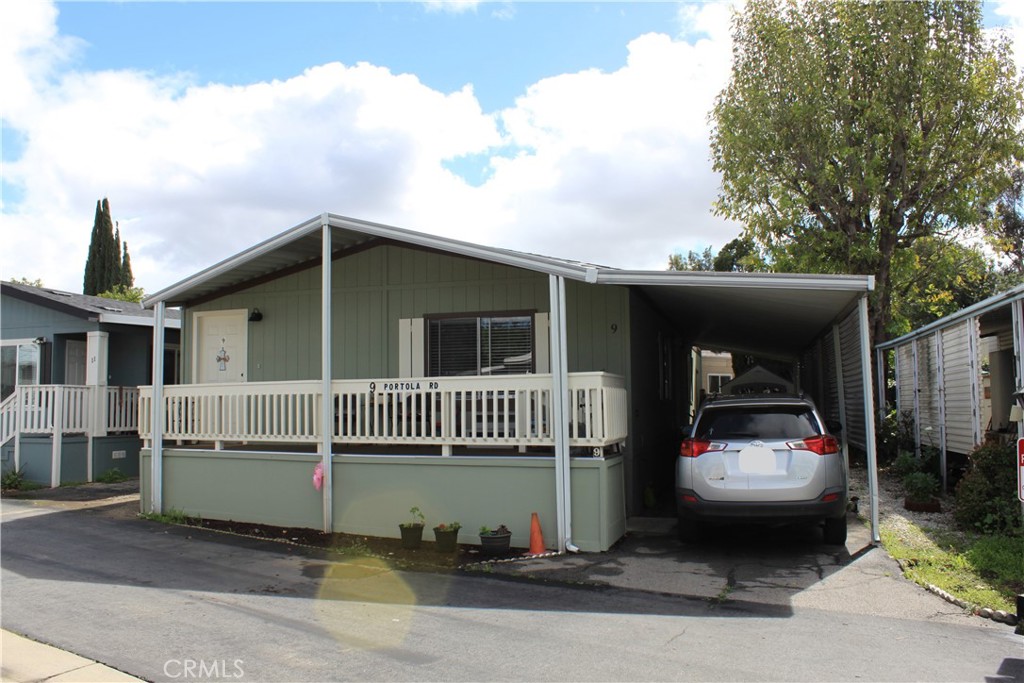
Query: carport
{"x":818,"y":323}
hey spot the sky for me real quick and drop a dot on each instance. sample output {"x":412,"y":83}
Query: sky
{"x":577,"y":130}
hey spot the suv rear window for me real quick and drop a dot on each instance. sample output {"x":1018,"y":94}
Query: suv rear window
{"x":766,"y":422}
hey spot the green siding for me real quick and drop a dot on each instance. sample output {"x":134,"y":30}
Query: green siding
{"x":373,"y":495}
{"x":374,"y":289}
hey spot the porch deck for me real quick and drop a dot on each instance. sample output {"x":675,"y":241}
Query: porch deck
{"x":501,"y":412}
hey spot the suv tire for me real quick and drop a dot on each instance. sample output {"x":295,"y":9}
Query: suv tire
{"x":835,"y":530}
{"x":689,"y":530}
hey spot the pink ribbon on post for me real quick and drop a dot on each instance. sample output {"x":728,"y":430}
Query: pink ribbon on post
{"x":318,"y":476}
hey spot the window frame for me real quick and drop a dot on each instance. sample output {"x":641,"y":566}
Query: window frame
{"x":530,"y":315}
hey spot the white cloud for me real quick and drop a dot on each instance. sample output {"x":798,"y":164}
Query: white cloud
{"x":607,"y":167}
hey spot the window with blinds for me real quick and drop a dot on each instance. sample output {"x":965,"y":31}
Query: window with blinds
{"x":480,"y":345}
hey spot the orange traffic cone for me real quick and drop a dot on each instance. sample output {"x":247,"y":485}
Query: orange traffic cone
{"x":536,"y":536}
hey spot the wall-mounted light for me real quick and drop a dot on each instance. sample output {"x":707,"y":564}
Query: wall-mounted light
{"x":1016,"y":413}
{"x":255,"y":316}
{"x":39,"y":340}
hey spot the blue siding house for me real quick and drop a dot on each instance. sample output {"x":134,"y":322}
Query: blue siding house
{"x":70,"y":368}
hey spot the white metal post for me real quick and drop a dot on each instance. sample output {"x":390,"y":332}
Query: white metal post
{"x":1017,"y":315}
{"x":940,"y":368}
{"x":559,"y":414}
{"x":917,"y":400}
{"x":869,"y":417}
{"x":58,"y":435}
{"x":326,"y":398}
{"x":157,"y":413}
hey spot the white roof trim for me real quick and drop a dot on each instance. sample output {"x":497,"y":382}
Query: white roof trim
{"x":980,"y":308}
{"x":140,"y":320}
{"x":851,"y":283}
{"x":533,"y":262}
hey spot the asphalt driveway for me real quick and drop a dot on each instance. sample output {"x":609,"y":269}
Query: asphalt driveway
{"x":92,"y":578}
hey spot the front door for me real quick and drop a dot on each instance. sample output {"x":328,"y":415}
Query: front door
{"x":221,"y":346}
{"x":74,"y":362}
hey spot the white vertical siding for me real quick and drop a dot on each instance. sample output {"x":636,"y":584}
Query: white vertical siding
{"x":957,"y":360}
{"x":929,"y":391}
{"x":853,"y":383}
{"x":905,"y":381}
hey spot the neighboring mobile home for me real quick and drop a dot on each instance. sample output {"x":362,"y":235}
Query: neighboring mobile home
{"x":478,"y":384}
{"x":956,"y":378}
{"x":71,"y":367}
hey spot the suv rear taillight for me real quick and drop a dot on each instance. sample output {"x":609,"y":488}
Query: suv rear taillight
{"x":691,"y":448}
{"x":822,"y":445}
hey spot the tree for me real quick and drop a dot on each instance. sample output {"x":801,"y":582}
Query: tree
{"x":25,"y":281}
{"x":1006,"y":229}
{"x":127,"y":279}
{"x":741,"y":255}
{"x":105,"y":266}
{"x":123,"y":293}
{"x":850,"y":130}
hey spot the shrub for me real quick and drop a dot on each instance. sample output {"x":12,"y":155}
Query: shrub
{"x":905,"y":463}
{"x":111,"y":476}
{"x":921,"y":487}
{"x":895,"y":435}
{"x":13,"y":478}
{"x":986,"y":497}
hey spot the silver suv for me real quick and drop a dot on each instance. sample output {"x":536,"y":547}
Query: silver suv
{"x":760,"y":458}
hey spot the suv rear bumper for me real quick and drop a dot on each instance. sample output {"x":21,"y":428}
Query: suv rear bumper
{"x":774,"y":511}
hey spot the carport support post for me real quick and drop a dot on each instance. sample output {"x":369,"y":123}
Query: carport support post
{"x":559,"y":414}
{"x":869,"y":416}
{"x":326,"y":399}
{"x":156,"y":417}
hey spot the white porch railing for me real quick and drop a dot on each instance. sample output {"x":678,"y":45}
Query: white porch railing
{"x":506,"y":410}
{"x":34,"y":409}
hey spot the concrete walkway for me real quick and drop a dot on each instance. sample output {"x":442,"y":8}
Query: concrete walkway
{"x":23,"y":661}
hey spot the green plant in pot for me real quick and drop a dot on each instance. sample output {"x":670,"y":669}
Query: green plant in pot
{"x":446,"y":534}
{"x":495,"y":541}
{"x":412,"y":530}
{"x":922,"y":489}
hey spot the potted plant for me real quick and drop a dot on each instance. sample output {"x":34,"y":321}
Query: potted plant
{"x":495,"y":541}
{"x":922,"y":489}
{"x":412,"y":531}
{"x":446,"y":534}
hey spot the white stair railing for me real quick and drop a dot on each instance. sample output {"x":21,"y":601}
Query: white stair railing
{"x":8,"y":418}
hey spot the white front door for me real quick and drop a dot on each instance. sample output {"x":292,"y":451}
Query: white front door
{"x":74,"y":363}
{"x":221,"y":345}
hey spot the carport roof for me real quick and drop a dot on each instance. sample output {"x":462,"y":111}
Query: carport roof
{"x":769,"y":314}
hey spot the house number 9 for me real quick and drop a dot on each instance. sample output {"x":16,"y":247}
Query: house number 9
{"x":373,"y":387}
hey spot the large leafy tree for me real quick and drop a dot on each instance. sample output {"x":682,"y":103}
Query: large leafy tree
{"x":850,"y":130}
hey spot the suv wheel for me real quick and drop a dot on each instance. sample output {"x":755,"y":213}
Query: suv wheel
{"x":835,"y":530}
{"x":689,"y":530}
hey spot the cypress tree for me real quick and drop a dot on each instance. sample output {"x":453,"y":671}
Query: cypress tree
{"x":93,"y":260}
{"x":127,"y":278}
{"x":105,"y":265}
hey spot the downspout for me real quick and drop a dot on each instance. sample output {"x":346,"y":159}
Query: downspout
{"x":156,"y":417}
{"x":869,"y":416}
{"x":559,"y":414}
{"x":326,"y":396}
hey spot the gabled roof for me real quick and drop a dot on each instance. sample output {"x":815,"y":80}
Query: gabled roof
{"x":100,"y":309}
{"x":774,"y":314}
